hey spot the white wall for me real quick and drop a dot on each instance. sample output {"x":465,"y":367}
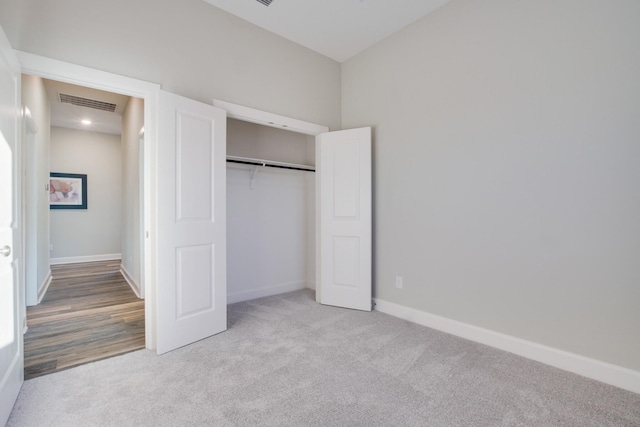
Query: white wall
{"x":132,"y":122}
{"x":506,"y":169}
{"x":34,"y":97}
{"x":268,"y":239}
{"x":94,"y":232}
{"x":190,"y":47}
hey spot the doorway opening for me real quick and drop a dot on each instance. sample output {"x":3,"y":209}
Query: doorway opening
{"x":83,"y":264}
{"x":270,"y":211}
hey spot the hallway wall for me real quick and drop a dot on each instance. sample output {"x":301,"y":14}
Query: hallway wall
{"x":132,"y":122}
{"x":34,"y":97}
{"x":94,"y":233}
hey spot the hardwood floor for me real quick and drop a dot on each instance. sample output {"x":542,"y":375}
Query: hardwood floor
{"x":88,"y":313}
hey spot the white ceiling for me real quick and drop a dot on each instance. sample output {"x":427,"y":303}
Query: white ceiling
{"x":71,"y":116}
{"x":338,"y":29}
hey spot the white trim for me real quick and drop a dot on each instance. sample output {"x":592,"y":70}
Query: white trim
{"x":87,"y":258}
{"x":265,"y":292}
{"x":252,"y":115}
{"x":135,"y":287}
{"x":618,"y":376}
{"x":76,"y":74}
{"x":84,"y":76}
{"x":42,"y":289}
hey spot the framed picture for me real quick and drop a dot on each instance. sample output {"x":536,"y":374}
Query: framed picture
{"x":67,"y":191}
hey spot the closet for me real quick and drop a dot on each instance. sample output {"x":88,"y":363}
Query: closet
{"x":270,"y":211}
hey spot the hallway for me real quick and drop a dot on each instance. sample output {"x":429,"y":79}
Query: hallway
{"x":88,"y":313}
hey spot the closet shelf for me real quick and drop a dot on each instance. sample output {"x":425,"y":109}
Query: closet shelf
{"x":269,"y":163}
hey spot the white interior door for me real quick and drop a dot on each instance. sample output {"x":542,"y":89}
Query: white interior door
{"x":191,"y":234}
{"x":343,"y":160}
{"x":11,"y":357}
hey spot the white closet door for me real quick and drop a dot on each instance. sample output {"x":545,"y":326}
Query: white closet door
{"x":343,"y":160}
{"x":191,"y":293}
{"x":11,"y":301}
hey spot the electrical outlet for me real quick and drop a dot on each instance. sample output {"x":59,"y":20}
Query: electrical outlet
{"x":399,"y":283}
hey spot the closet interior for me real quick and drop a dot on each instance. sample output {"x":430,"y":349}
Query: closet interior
{"x":270,"y":211}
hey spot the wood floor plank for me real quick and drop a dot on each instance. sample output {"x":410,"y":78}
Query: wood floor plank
{"x":81,"y":313}
{"x":88,"y":313}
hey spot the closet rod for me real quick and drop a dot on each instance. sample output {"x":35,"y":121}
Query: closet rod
{"x":269,"y":163}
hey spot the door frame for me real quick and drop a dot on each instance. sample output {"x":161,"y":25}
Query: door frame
{"x":252,"y":115}
{"x":83,"y":76}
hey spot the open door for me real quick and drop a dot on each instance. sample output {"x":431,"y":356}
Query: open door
{"x":11,"y":318}
{"x":191,"y":234}
{"x":343,"y":191}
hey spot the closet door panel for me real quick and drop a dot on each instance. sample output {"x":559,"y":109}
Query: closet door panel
{"x":344,"y":200}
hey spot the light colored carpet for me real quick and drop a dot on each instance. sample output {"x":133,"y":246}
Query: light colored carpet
{"x":288,"y":361}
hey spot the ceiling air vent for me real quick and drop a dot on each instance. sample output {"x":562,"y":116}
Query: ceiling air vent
{"x":265,"y":2}
{"x":89,"y":103}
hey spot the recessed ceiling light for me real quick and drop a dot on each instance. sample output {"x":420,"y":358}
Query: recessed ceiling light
{"x":86,"y":122}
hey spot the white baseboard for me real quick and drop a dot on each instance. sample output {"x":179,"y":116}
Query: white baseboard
{"x":42,"y":289}
{"x":233,"y":298}
{"x":135,"y":286}
{"x":618,"y":376}
{"x":88,"y":258}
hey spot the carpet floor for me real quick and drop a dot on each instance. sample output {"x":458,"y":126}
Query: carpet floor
{"x":288,"y":361}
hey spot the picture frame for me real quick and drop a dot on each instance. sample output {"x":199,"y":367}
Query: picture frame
{"x":67,"y":191}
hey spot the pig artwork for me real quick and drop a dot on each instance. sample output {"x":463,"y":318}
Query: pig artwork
{"x":58,"y":188}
